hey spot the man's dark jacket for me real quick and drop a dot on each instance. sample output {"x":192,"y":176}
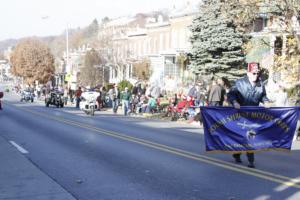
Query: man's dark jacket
{"x":246,"y":94}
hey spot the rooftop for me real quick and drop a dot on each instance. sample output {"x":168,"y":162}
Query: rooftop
{"x":191,"y":7}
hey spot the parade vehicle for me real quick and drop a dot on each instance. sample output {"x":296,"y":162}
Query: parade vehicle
{"x":1,"y":96}
{"x":88,"y":102}
{"x":54,"y":98}
{"x":27,"y":96}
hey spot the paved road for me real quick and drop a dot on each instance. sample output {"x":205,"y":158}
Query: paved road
{"x":114,"y":157}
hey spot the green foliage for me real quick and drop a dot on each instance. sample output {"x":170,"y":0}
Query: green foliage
{"x":258,"y":48}
{"x":292,"y":92}
{"x":283,"y":15}
{"x":105,"y":20}
{"x":216,"y":43}
{"x":108,"y":86}
{"x":242,"y":12}
{"x":92,"y":29}
{"x":123,"y":84}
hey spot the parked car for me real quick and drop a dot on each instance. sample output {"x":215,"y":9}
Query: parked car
{"x":55,"y":98}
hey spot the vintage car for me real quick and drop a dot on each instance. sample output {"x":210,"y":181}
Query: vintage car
{"x":88,"y":102}
{"x":54,"y":98}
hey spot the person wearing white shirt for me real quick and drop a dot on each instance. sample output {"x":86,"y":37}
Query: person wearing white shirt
{"x":281,"y":97}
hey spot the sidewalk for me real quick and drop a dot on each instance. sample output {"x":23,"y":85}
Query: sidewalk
{"x":22,"y":180}
{"x":156,"y":116}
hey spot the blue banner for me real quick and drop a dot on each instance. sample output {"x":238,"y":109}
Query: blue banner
{"x":250,"y":128}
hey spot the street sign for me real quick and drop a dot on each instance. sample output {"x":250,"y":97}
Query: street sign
{"x":68,"y":77}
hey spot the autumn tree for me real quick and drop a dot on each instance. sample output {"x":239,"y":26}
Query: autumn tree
{"x":92,"y":72}
{"x":141,"y":70}
{"x":287,"y":16}
{"x":242,"y":12}
{"x":32,"y":60}
{"x":284,"y":18}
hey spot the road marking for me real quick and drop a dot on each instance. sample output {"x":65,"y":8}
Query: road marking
{"x":21,"y":149}
{"x":284,"y":180}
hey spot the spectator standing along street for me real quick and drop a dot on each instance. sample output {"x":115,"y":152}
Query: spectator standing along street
{"x":78,"y":95}
{"x":71,"y":95}
{"x":103,"y":97}
{"x":216,"y":94}
{"x":114,"y":95}
{"x":125,"y":97}
{"x":281,"y":97}
{"x":66,"y":94}
{"x":38,"y":90}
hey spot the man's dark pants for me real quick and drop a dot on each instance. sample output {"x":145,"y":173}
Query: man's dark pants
{"x":77,"y":102}
{"x":250,"y":157}
{"x":214,"y":103}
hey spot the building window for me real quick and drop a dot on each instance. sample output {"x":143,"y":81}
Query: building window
{"x":170,"y":68}
{"x":259,"y":24}
{"x":278,"y":46}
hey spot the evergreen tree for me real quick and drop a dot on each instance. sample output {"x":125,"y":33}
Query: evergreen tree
{"x":216,"y":43}
{"x":92,"y":29}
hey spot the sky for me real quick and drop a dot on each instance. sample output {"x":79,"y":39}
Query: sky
{"x":24,"y":18}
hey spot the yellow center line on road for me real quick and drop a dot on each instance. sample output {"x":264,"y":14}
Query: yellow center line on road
{"x":284,"y":180}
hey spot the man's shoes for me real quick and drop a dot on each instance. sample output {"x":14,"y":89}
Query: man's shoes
{"x":251,"y":165}
{"x":237,"y":158}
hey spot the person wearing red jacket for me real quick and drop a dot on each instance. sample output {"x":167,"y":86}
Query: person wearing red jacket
{"x":78,"y":93}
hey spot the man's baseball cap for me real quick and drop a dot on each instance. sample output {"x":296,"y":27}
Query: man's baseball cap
{"x":253,"y":67}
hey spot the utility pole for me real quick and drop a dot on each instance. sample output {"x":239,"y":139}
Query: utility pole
{"x":67,"y":48}
{"x":103,"y":75}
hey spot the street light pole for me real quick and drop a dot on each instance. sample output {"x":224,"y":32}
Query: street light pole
{"x":68,"y":69}
{"x":67,"y":48}
{"x":103,"y":75}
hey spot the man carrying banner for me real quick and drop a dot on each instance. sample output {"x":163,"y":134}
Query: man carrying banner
{"x":248,"y":91}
